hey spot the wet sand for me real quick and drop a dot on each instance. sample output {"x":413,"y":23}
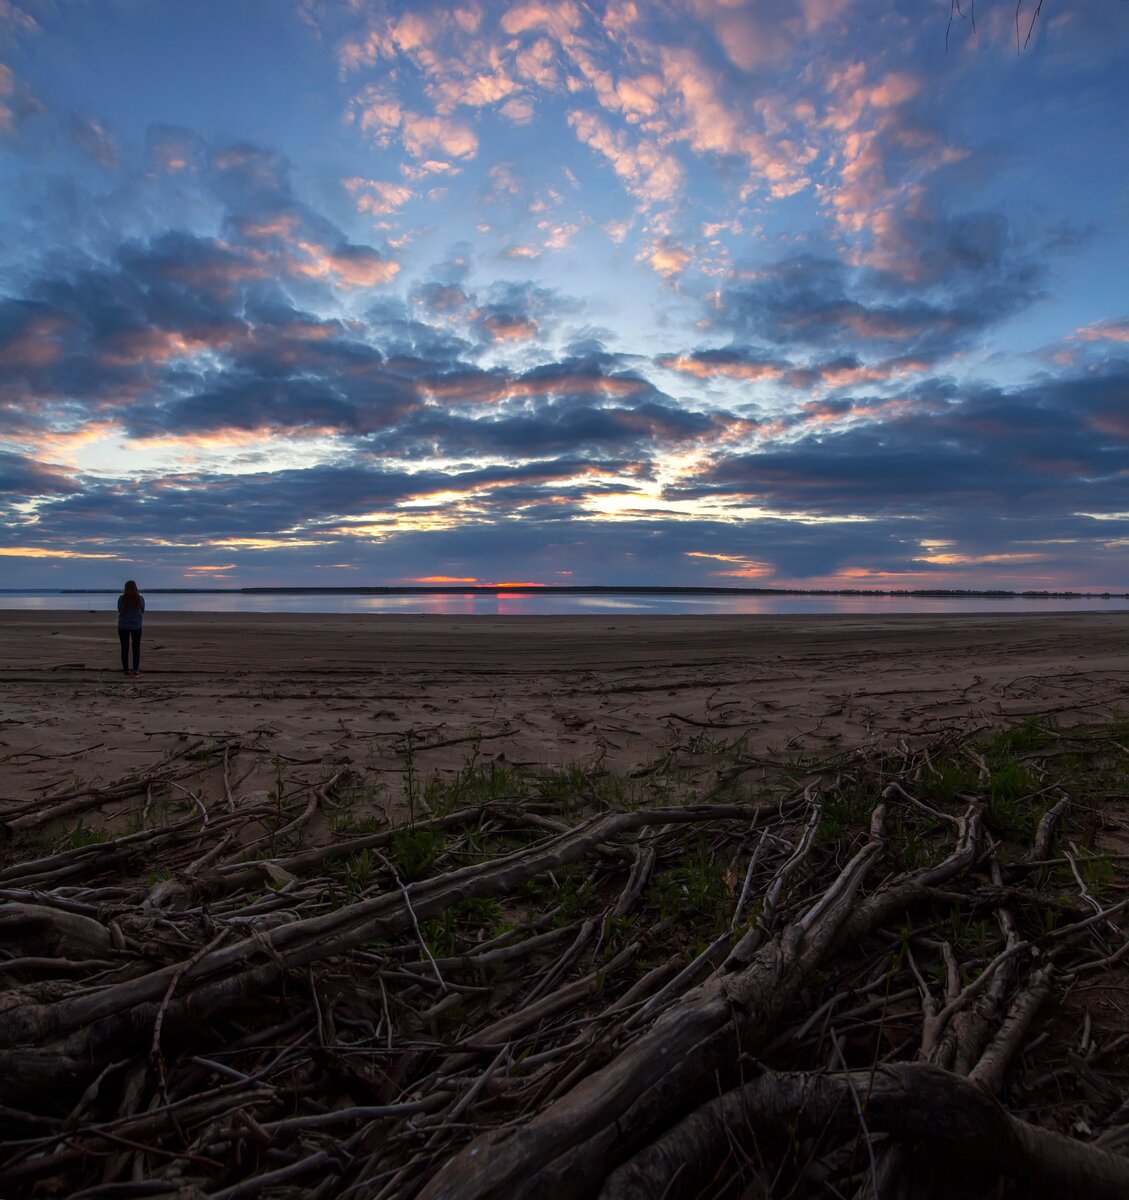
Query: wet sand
{"x":538,"y":691}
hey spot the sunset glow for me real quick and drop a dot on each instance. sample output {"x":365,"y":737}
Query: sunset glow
{"x":709,"y":292}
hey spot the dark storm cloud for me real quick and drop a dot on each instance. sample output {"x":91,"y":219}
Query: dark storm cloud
{"x":553,"y":426}
{"x":124,"y":339}
{"x":213,"y":507}
{"x":402,"y":335}
{"x":21,"y":477}
{"x":967,"y":275}
{"x":1035,"y":455}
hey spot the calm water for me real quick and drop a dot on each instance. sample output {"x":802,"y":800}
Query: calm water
{"x":523,"y":604}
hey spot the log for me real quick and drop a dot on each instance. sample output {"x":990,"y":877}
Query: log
{"x":568,"y":1149}
{"x":93,"y":1025}
{"x":940,"y":1112}
{"x":50,"y":931}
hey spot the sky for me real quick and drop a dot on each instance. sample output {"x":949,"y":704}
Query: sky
{"x":760,"y":293}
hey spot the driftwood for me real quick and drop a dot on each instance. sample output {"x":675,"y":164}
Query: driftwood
{"x":935,"y":1110}
{"x":820,"y":982}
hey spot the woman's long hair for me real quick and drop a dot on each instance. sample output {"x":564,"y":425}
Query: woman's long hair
{"x":130,"y":595}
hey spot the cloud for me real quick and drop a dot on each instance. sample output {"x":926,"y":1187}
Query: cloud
{"x":17,"y":103}
{"x":798,"y":357}
{"x":92,"y":137}
{"x":1103,"y":331}
{"x":980,"y":278}
{"x":665,"y":257}
{"x":347,"y":265}
{"x":731,"y":363}
{"x":650,"y":175}
{"x":422,"y":134}
{"x":23,"y":477}
{"x":377,"y":197}
{"x":986,"y":464}
{"x":173,"y":150}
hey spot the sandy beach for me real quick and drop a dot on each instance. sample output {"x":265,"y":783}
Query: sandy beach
{"x":536,"y":691}
{"x":262,"y":920}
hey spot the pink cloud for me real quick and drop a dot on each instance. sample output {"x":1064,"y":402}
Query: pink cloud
{"x":1103,"y":331}
{"x":352,"y":267}
{"x":537,"y":63}
{"x":522,"y":252}
{"x":559,"y":19}
{"x":520,"y":110}
{"x":650,"y":174}
{"x":377,"y":198}
{"x":36,"y":344}
{"x":665,"y":258}
{"x":422,"y":134}
{"x":510,"y":328}
{"x":721,"y":368}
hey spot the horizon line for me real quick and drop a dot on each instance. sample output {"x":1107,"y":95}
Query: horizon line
{"x":589,"y":589}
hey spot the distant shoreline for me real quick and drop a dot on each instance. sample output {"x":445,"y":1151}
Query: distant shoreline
{"x":576,"y":590}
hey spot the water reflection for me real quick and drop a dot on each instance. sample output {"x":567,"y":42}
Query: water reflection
{"x":468,"y":604}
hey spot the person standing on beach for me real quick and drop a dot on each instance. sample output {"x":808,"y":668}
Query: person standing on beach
{"x":131,"y":614}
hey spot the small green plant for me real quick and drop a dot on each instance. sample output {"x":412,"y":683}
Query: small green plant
{"x":358,"y":873}
{"x":347,"y":824}
{"x":565,"y":785}
{"x":411,"y":783}
{"x":575,"y":893}
{"x":414,"y":851}
{"x":459,"y":926}
{"x":844,"y":810}
{"x":1033,"y":734}
{"x":81,"y":836}
{"x":618,"y":932}
{"x":694,"y":890}
{"x":968,"y":936}
{"x":1098,"y":873}
{"x":1013,"y":806}
{"x":945,"y":781}
{"x":909,"y":844}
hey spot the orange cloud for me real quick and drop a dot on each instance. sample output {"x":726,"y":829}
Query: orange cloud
{"x":712,"y":368}
{"x":358,"y":266}
{"x":737,"y":565}
{"x":510,"y":329}
{"x":43,"y":552}
{"x":665,"y":258}
{"x":976,"y":560}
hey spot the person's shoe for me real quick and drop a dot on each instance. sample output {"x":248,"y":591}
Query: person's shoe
{"x":126,"y":671}
{"x":137,"y":673}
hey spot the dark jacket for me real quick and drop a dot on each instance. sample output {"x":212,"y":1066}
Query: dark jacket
{"x":130,"y":616}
